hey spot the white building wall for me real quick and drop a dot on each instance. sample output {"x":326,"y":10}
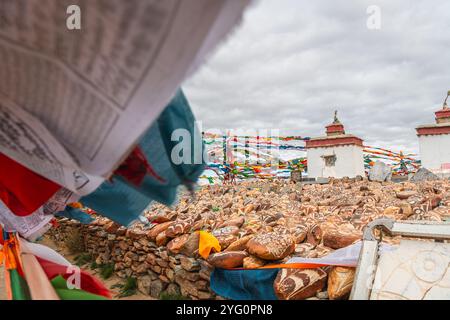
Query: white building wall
{"x":435,"y":152}
{"x":349,"y":162}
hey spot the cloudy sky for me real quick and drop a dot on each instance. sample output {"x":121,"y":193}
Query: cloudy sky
{"x":292,"y":62}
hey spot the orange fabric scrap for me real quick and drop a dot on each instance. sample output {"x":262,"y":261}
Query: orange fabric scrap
{"x":206,"y":243}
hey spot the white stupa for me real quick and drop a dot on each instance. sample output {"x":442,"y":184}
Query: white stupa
{"x":434,"y":142}
{"x":335,"y":155}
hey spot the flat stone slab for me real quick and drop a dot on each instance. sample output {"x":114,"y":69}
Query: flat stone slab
{"x":380,"y":172}
{"x":417,"y":270}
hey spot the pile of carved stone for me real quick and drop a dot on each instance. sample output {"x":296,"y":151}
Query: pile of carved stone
{"x":261,"y":223}
{"x":134,"y":253}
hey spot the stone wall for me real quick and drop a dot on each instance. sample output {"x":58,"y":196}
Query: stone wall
{"x":134,"y":254}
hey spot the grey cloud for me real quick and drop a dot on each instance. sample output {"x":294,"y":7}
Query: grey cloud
{"x":292,"y":62}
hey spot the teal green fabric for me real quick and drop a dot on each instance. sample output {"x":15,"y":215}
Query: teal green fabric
{"x":64,"y":293}
{"x":19,"y":287}
{"x":123,"y":201}
{"x":75,"y":214}
{"x":244,"y":284}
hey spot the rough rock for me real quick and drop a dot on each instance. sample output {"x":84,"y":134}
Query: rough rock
{"x":112,"y":227}
{"x":423,"y":174}
{"x":175,"y":245}
{"x":173,"y":289}
{"x":189,"y":264}
{"x":156,"y":287}
{"x":158,"y":219}
{"x":144,"y":283}
{"x":190,"y":247}
{"x":405,"y":209}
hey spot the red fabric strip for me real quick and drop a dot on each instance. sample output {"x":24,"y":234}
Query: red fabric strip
{"x":22,"y":190}
{"x":87,"y":282}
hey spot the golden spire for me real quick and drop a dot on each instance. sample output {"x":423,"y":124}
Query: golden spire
{"x":336,"y":120}
{"x":445,"y":106}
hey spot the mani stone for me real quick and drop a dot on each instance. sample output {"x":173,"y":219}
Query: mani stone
{"x":340,"y":282}
{"x":299,"y":284}
{"x":314,"y":235}
{"x":226,"y":240}
{"x":271,"y":246}
{"x":380,"y":172}
{"x":156,"y":230}
{"x":253,"y":262}
{"x":191,"y":245}
{"x":227,"y":259}
{"x":337,"y":239}
{"x":178,"y":228}
{"x":175,"y":245}
{"x":240,"y":244}
{"x":405,"y":194}
{"x":161,"y":239}
{"x":225,"y":231}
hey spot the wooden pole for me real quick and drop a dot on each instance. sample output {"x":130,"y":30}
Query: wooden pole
{"x":39,"y":284}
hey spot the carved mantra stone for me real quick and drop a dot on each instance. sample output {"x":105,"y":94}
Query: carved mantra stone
{"x":271,"y":246}
{"x":340,"y":282}
{"x":299,"y":284}
{"x":228,"y":259}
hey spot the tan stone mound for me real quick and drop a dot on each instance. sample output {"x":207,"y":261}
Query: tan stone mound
{"x":271,"y":220}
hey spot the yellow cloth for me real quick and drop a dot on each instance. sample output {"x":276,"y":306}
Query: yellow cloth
{"x":207,"y":242}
